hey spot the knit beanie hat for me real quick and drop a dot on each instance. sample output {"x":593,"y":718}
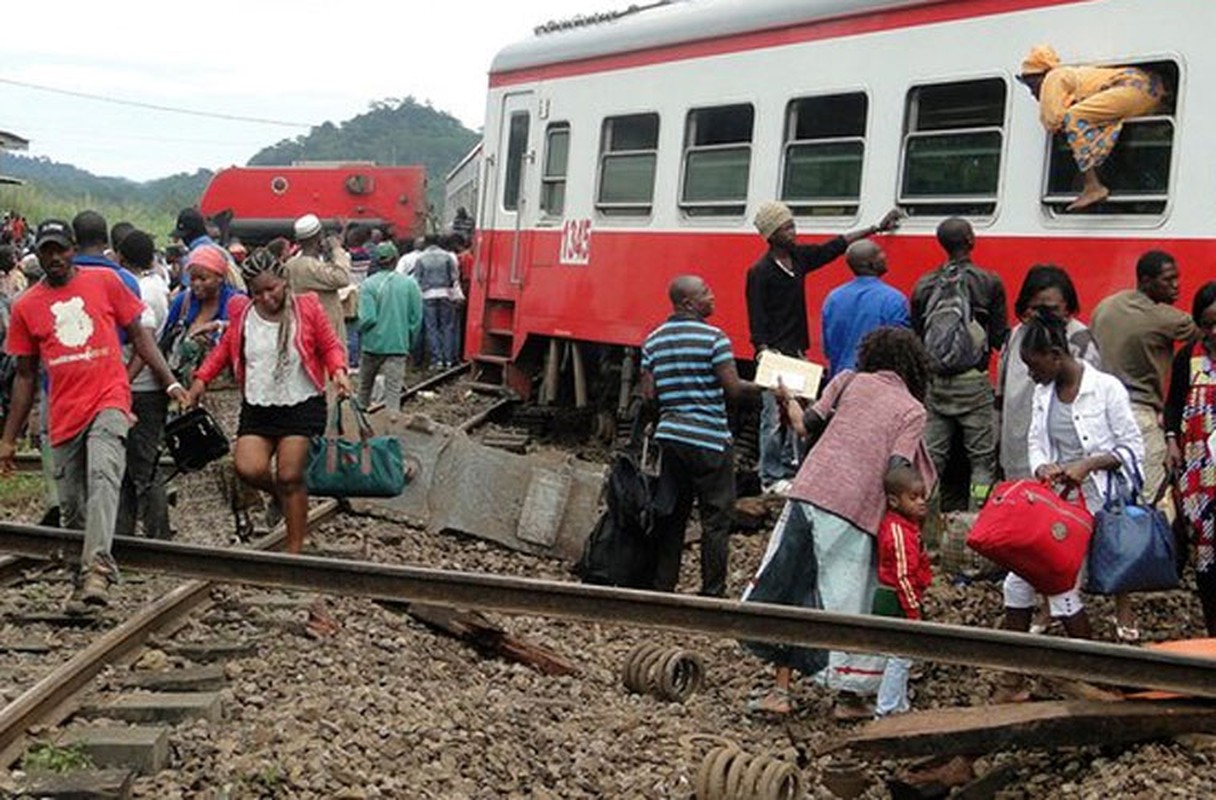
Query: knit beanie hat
{"x":771,"y":216}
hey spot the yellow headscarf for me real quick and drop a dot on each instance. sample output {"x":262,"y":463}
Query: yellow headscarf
{"x":1041,"y":58}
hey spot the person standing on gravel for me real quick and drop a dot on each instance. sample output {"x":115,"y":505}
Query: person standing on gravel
{"x":688,"y":368}
{"x":776,"y":316}
{"x":69,"y":323}
{"x":322,"y":266}
{"x":823,"y":551}
{"x":390,"y":319}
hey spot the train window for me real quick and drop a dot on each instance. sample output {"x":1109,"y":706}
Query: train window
{"x":824,"y":149}
{"x":1137,"y":172}
{"x":717,"y":159}
{"x":517,"y":148}
{"x":628,"y":152}
{"x":953,"y":138}
{"x":553,"y":178}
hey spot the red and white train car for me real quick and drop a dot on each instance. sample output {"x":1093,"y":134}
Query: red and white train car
{"x":621,"y":153}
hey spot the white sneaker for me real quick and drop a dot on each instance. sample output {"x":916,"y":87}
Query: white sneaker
{"x":779,"y":487}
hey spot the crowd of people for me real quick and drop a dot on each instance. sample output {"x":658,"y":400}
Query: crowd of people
{"x":102,"y":332}
{"x":908,"y":379}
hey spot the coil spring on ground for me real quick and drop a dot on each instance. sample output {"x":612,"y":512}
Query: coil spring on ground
{"x":729,"y":773}
{"x":666,"y":672}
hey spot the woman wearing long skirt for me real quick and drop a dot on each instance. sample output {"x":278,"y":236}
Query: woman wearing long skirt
{"x":822,"y":553}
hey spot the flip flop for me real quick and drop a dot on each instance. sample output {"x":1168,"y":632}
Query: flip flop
{"x":775,"y":702}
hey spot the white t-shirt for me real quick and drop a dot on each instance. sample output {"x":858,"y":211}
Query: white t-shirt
{"x":261,"y":355}
{"x":154,"y":291}
{"x":405,"y":264}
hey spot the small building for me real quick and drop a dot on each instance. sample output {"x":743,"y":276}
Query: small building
{"x":11,"y":141}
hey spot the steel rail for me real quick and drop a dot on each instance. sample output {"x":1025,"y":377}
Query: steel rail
{"x":425,"y":384}
{"x":978,"y":647}
{"x":54,"y":690}
{"x":12,"y":568}
{"x":479,"y":419}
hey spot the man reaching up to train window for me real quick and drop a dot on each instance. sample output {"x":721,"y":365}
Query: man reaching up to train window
{"x":688,"y":367}
{"x":776,"y":316}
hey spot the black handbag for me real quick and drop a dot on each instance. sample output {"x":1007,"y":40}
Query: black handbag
{"x":194,"y":439}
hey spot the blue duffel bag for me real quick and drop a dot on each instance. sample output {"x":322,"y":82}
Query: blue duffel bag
{"x":1133,"y":547}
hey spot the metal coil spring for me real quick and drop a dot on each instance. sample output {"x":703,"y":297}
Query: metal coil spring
{"x":666,"y":672}
{"x":729,"y":773}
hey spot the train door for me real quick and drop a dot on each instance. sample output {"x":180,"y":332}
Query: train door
{"x":512,"y":202}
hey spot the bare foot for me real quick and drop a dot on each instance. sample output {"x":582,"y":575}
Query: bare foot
{"x":1088,"y":198}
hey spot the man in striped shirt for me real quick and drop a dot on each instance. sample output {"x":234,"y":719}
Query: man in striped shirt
{"x":688,"y":367}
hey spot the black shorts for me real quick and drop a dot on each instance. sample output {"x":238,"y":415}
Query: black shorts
{"x":274,"y":422}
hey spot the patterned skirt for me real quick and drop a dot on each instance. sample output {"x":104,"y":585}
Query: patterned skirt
{"x":1092,"y":125}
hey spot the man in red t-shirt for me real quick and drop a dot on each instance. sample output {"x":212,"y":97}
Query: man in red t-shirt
{"x":69,"y":323}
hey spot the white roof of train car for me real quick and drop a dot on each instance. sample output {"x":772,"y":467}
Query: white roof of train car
{"x":678,"y":22}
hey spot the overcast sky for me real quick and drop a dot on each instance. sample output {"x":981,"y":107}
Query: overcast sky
{"x":301,"y":61}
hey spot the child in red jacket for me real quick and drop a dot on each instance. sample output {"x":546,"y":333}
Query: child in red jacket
{"x":903,"y":574}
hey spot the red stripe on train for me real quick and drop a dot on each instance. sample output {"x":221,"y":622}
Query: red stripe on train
{"x":945,"y":11}
{"x":622,"y":293}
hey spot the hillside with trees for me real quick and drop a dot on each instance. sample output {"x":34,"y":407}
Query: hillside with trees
{"x":391,"y":132}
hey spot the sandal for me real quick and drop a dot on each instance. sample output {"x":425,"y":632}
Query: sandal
{"x":776,"y":702}
{"x":1129,"y":634}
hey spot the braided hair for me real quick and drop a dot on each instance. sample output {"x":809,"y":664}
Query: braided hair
{"x":263,"y":261}
{"x":1046,"y":331}
{"x":897,"y":350}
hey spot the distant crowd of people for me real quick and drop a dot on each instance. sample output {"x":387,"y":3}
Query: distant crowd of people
{"x":908,"y":376}
{"x":102,"y":330}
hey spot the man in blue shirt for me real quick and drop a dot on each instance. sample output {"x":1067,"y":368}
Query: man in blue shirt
{"x":688,"y":367}
{"x":859,"y":306}
{"x":92,"y":240}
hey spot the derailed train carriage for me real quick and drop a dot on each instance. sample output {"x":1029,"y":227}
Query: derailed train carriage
{"x":627,"y":149}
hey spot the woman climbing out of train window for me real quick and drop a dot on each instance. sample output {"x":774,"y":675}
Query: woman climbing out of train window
{"x":197,"y":317}
{"x":822,"y":554}
{"x":1190,"y":429}
{"x":1081,"y":418}
{"x":1088,"y":105}
{"x":281,"y":349}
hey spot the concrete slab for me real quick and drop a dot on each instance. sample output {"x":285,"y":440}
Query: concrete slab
{"x":217,"y":650}
{"x":542,"y":503}
{"x":142,"y":748}
{"x":26,"y":646}
{"x":166,"y":707}
{"x":186,"y":679}
{"x":279,"y":601}
{"x":108,"y":784}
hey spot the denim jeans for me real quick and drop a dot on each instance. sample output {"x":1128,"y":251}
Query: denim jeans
{"x":779,"y":456}
{"x":893,"y":691}
{"x":439,"y":322}
{"x":143,"y":492}
{"x":88,"y":473}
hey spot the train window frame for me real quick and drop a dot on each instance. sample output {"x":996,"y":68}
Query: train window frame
{"x":735,"y":206}
{"x":983,"y":205}
{"x":608,"y":154}
{"x":550,"y":180}
{"x":1131,"y":205}
{"x":842,"y":206}
{"x":513,"y":169}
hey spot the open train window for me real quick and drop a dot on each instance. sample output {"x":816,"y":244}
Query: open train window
{"x":629,"y":148}
{"x":717,"y":160}
{"x":823,"y":153}
{"x":953,"y":137}
{"x":553,"y":177}
{"x":517,"y":148}
{"x":1139,"y":167}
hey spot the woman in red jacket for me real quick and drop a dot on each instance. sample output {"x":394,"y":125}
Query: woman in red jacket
{"x":281,"y":349}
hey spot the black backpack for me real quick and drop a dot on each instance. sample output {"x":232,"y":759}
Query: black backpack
{"x":619,"y":551}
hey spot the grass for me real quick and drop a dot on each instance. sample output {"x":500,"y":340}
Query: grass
{"x":37,"y":204}
{"x":20,"y":488}
{"x":47,"y":757}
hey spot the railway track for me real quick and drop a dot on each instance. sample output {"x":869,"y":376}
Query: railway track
{"x":952,"y":644}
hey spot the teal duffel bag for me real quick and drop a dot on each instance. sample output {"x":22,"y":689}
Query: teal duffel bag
{"x":370,"y":466}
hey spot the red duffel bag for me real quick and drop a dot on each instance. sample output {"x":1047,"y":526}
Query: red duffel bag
{"x":1029,"y":529}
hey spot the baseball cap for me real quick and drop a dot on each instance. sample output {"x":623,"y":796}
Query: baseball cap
{"x":190,"y":225}
{"x":54,"y":230}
